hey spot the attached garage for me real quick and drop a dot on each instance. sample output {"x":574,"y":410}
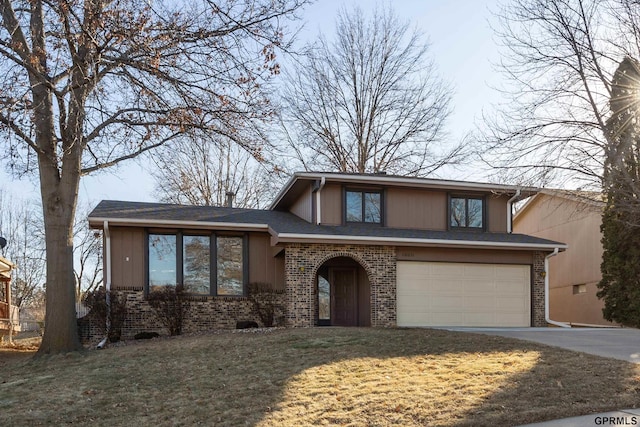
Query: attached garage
{"x":463,"y":294}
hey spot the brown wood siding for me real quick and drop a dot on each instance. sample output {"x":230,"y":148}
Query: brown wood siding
{"x":364,"y":298}
{"x":128,"y":253}
{"x":497,"y":213}
{"x":302,"y":207}
{"x":263,"y":266}
{"x":571,"y":222}
{"x":127,"y":257}
{"x":465,"y":255}
{"x":331,"y":202}
{"x":413,"y":208}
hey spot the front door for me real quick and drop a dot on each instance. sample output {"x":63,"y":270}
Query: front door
{"x":344,"y":296}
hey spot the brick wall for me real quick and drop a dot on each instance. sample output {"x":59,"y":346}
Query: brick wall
{"x":205,"y":314}
{"x":537,"y":294}
{"x":302,"y":262}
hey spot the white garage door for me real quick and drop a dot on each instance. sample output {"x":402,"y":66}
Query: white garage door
{"x":460,"y":294}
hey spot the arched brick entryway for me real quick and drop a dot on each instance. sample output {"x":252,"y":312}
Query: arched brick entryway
{"x":302,"y":262}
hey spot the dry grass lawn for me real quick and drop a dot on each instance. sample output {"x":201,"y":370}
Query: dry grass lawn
{"x":321,"y":376}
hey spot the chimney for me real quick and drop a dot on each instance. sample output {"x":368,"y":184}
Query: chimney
{"x":230,"y":196}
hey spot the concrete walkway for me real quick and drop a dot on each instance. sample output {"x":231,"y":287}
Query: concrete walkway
{"x":617,"y":343}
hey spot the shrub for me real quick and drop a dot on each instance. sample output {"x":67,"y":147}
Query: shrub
{"x":267,"y":303}
{"x":171,"y":305}
{"x":96,"y":302}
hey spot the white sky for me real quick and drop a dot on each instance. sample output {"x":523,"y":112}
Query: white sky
{"x":462,"y":46}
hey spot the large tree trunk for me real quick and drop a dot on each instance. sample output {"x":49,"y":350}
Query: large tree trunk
{"x":61,"y":330}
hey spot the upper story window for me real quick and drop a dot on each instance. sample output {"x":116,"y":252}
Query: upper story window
{"x":186,"y":259}
{"x":364,"y":206}
{"x":466,"y":212}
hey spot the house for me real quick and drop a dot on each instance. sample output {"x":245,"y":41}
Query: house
{"x":9,"y":314}
{"x":343,"y":249}
{"x":575,"y":218}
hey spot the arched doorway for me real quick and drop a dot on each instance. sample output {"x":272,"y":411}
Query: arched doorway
{"x":343,"y":293}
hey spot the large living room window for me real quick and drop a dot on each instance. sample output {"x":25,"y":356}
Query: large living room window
{"x":186,"y":259}
{"x":466,"y":212}
{"x":363,"y":206}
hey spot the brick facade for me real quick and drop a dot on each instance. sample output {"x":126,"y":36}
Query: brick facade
{"x":204,"y":314}
{"x":537,"y":292}
{"x":302,"y":262}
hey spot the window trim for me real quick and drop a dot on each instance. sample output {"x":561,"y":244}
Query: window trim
{"x":362,"y":191}
{"x":467,"y":197}
{"x":213,"y":258}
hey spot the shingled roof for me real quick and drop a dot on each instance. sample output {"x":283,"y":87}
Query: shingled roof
{"x":286,"y":227}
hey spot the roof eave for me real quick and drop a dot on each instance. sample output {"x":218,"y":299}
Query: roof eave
{"x":404,"y":241}
{"x":98,"y":222}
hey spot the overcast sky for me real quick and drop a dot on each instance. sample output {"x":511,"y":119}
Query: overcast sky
{"x":462,"y":45}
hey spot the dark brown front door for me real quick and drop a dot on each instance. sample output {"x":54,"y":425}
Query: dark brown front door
{"x":344,"y":297}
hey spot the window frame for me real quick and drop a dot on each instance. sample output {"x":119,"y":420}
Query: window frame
{"x":213,"y":259}
{"x":466,"y":198}
{"x":362,"y":191}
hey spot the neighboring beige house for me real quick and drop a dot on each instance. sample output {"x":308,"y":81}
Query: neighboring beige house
{"x":573,"y":218}
{"x":9,"y":314}
{"x":341,"y":249}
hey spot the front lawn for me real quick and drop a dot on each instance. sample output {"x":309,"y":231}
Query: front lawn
{"x":326,"y":376}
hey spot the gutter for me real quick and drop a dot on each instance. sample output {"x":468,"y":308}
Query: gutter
{"x":510,"y":211}
{"x":179,"y":223}
{"x":323,"y":181}
{"x":107,"y":261}
{"x":406,"y":241}
{"x":546,"y":292}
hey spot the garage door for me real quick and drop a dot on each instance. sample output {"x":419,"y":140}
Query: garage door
{"x":460,"y":294}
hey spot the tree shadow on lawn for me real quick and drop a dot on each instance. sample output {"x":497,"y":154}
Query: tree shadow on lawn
{"x":329,"y":376}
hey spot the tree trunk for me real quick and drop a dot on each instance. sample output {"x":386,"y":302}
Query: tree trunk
{"x":59,"y":201}
{"x":61,"y":330}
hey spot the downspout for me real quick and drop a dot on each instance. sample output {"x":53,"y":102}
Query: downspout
{"x":546,"y":292}
{"x":107,"y":261}
{"x":318,"y":201}
{"x":510,"y":211}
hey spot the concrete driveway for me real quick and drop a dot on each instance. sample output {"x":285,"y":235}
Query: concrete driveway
{"x":618,"y":343}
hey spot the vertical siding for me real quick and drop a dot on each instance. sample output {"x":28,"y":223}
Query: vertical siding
{"x":331,"y":202}
{"x":413,"y":208}
{"x":127,"y":257}
{"x":263,"y":266}
{"x":578,"y":225}
{"x":497,"y":213}
{"x":302,"y":207}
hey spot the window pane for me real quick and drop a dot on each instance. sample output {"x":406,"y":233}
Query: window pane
{"x":324,"y":299}
{"x":230,"y":277}
{"x":162,"y":260}
{"x":354,"y":206}
{"x":196,"y":251}
{"x":475,"y":213}
{"x":458,"y":210}
{"x":372,"y":207}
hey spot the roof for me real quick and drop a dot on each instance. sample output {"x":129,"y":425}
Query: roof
{"x":300,"y":180}
{"x":286,"y":227}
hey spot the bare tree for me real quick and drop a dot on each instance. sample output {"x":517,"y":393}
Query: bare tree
{"x":559,"y":57}
{"x":21,"y":225}
{"x":191,"y":171}
{"x":370,"y":101}
{"x":87,"y":255}
{"x":90,"y":83}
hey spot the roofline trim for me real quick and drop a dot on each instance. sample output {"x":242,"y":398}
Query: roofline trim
{"x":389,"y":179}
{"x":99,"y":221}
{"x":407,"y":241}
